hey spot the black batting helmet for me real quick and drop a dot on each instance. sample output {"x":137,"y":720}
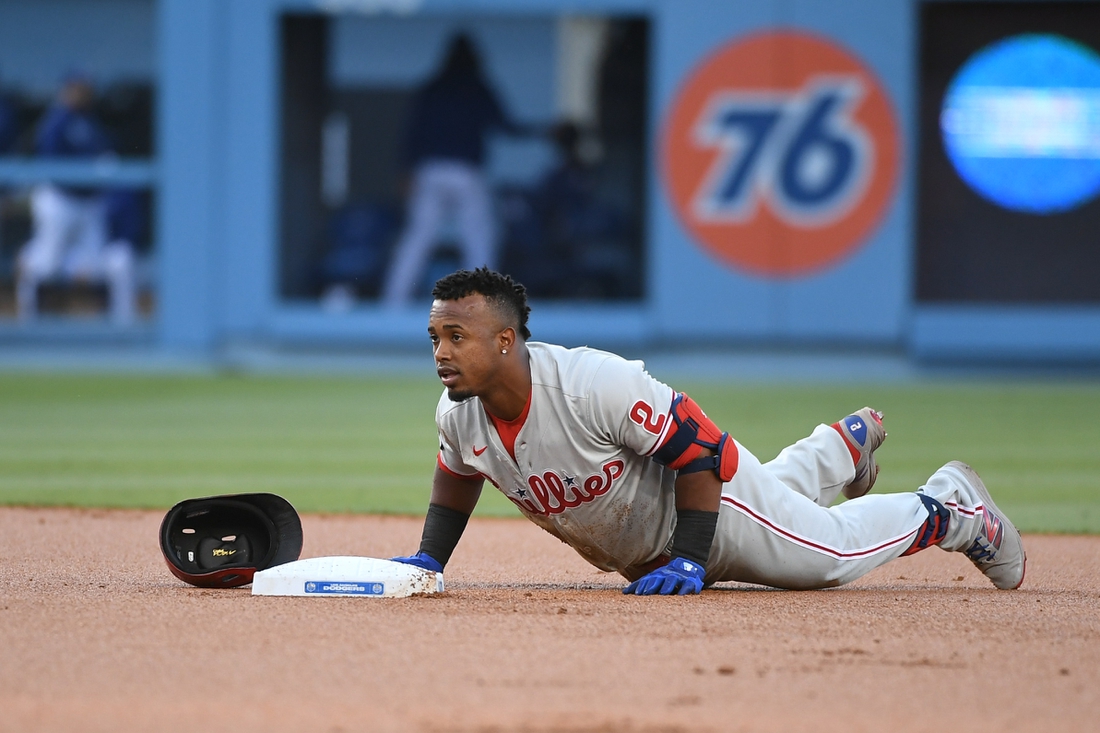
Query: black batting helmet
{"x":221,"y":541}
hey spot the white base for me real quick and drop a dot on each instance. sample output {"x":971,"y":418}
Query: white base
{"x":365,"y":577}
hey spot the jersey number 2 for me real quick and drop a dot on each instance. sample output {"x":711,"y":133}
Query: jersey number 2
{"x":642,"y":414}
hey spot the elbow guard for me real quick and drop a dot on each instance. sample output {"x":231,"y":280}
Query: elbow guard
{"x":690,"y":435}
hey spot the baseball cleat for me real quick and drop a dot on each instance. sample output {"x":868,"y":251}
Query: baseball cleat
{"x":864,"y":434}
{"x":998,"y":550}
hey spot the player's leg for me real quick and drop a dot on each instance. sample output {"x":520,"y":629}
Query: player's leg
{"x":40,"y":258}
{"x":92,"y":258}
{"x":118,"y":267}
{"x":817,"y":466}
{"x":977,"y":527}
{"x":771,"y":535}
{"x":475,"y":221}
{"x":834,"y":458}
{"x":84,"y":258}
{"x":424,"y":217}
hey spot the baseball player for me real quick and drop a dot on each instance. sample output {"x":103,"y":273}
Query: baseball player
{"x":637,"y":479}
{"x":445,"y":149}
{"x":71,"y":222}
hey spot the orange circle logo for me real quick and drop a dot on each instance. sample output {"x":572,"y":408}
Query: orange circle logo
{"x":780,"y":153}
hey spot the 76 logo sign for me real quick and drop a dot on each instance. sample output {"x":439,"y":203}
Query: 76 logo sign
{"x":801,"y":152}
{"x":779,"y":153}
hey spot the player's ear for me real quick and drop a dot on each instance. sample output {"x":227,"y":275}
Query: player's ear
{"x":505,"y":339}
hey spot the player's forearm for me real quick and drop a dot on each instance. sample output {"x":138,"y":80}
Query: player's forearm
{"x":453,"y":500}
{"x":697,"y":499}
{"x":455,"y":493}
{"x":701,"y":491}
{"x":443,"y":529}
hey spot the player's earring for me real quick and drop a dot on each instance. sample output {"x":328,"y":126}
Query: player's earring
{"x":504,"y":351}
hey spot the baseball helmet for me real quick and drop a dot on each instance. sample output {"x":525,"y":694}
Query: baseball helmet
{"x":221,"y":541}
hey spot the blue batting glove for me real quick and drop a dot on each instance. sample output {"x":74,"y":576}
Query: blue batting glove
{"x":421,"y":560}
{"x":680,"y":577}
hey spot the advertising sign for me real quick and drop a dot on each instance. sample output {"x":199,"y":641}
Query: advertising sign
{"x":780,"y":153}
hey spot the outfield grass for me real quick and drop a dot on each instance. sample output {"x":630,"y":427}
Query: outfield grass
{"x":368,"y":445}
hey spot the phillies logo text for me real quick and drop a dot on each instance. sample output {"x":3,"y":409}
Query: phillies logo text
{"x":800,"y":152}
{"x":550,"y":493}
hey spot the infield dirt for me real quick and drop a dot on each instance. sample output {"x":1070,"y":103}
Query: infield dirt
{"x":96,"y":635}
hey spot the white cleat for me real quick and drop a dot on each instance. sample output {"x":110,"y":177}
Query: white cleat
{"x":998,"y":549}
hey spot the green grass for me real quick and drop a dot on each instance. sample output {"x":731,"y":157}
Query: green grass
{"x":368,"y":445}
{"x":1036,"y":445}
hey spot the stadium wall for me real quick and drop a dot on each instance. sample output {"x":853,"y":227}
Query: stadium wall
{"x":733,"y":249}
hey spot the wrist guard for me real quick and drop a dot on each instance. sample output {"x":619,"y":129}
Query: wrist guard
{"x":443,"y":528}
{"x":694,"y":535}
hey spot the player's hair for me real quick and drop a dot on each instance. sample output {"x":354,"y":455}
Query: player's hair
{"x":504,"y":293}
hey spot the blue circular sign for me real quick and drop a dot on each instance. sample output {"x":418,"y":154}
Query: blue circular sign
{"x":1021,"y":123}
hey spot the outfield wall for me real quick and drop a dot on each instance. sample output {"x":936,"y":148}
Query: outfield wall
{"x":782,"y":191}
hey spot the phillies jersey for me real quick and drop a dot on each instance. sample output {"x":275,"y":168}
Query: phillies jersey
{"x":583,"y":469}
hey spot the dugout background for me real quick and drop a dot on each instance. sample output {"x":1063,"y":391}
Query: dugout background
{"x":940,"y":275}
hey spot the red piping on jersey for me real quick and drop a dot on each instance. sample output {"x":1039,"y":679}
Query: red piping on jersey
{"x":810,"y":545}
{"x":508,"y":430}
{"x":443,"y":466}
{"x":664,"y":431}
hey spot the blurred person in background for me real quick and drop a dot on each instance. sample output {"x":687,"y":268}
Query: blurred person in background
{"x":586,"y":232}
{"x":444,"y":150}
{"x":9,"y":136}
{"x":9,"y":125}
{"x":561,"y":235}
{"x":71,"y":235}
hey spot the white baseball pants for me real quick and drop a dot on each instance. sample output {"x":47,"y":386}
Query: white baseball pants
{"x":441,"y":189}
{"x":70,"y":240}
{"x":775,"y":526}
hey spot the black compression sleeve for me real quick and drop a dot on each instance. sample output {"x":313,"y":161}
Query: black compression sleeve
{"x":694,"y":534}
{"x":443,"y":529}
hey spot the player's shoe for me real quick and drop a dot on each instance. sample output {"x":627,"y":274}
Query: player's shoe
{"x":863,"y":433}
{"x":998,"y":549}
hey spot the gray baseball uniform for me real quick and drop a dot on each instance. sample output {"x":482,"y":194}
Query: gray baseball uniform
{"x":583,"y":471}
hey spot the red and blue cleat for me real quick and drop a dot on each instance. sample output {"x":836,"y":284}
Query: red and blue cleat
{"x":863,"y":433}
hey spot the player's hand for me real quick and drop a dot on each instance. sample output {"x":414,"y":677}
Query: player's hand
{"x":680,"y":577}
{"x":421,"y":560}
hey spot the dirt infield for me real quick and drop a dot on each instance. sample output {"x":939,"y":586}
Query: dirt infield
{"x":96,"y":635}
